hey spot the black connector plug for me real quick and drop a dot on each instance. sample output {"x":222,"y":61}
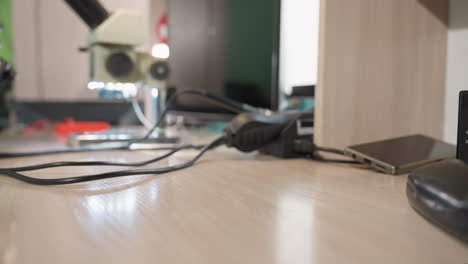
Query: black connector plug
{"x":304,"y":146}
{"x":273,"y":134}
{"x":252,"y":131}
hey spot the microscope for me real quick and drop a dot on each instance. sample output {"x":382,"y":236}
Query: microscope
{"x":117,"y":69}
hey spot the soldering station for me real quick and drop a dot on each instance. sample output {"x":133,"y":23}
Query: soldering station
{"x":437,"y":184}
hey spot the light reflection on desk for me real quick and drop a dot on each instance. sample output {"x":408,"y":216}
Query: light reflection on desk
{"x":124,"y":203}
{"x":295,"y":228}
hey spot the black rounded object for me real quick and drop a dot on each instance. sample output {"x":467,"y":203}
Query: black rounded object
{"x":119,"y":64}
{"x":7,"y":73}
{"x":439,"y":192}
{"x":159,"y":70}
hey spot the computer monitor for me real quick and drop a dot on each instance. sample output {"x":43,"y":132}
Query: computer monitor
{"x":227,"y":47}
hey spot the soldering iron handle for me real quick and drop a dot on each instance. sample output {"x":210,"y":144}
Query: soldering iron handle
{"x":90,"y":11}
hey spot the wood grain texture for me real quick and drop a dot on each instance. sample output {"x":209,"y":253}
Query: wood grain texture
{"x":381,"y":70}
{"x":229,"y":208}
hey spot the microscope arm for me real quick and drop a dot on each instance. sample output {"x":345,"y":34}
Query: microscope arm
{"x":117,"y":68}
{"x":90,"y":11}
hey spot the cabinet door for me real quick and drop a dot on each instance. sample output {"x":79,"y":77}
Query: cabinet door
{"x":381,"y":70}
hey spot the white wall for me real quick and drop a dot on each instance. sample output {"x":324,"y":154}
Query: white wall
{"x":457,"y":65}
{"x":299,"y":43}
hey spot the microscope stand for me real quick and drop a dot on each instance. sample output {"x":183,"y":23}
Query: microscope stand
{"x":154,"y":104}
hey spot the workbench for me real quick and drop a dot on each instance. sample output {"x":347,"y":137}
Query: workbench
{"x":228,"y":208}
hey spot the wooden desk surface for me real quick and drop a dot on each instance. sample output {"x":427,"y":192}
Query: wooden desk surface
{"x":229,"y":208}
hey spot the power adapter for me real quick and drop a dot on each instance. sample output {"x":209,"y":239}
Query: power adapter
{"x":285,"y":135}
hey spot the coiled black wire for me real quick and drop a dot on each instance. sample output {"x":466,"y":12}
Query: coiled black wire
{"x":223,"y":102}
{"x":102,"y":163}
{"x":14,"y":172}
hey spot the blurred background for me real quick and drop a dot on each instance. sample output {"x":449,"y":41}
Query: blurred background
{"x":260,"y":52}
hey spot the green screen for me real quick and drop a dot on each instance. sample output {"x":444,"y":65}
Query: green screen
{"x":6,"y":52}
{"x":249,"y":46}
{"x":6,"y":42}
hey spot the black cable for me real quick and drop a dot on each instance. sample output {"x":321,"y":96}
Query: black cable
{"x":334,"y":151}
{"x":114,"y":174}
{"x":321,"y":159}
{"x":330,"y":150}
{"x":101,"y":163}
{"x":225,"y":102}
{"x":97,"y":147}
{"x":309,"y":149}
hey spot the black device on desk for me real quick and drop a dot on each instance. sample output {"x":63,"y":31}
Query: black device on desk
{"x":439,"y":192}
{"x":285,"y":135}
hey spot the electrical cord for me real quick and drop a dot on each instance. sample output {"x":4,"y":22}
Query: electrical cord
{"x":306,"y":147}
{"x":221,"y":101}
{"x":102,"y":163}
{"x":14,"y":172}
{"x":140,"y":115}
{"x":321,"y":159}
{"x":310,"y":150}
{"x":224,"y":102}
{"x":85,"y":178}
{"x":317,"y":157}
{"x":330,"y":150}
{"x":97,"y":147}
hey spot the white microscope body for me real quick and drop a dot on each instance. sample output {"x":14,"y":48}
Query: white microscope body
{"x":117,"y":69}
